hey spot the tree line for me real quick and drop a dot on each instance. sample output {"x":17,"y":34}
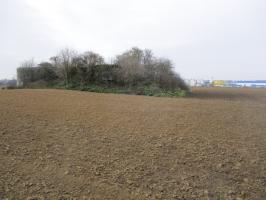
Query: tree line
{"x":133,"y":68}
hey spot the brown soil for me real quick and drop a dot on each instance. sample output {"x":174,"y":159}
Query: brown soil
{"x":58,"y":144}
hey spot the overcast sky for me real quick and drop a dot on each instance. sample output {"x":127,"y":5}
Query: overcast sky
{"x":219,"y":39}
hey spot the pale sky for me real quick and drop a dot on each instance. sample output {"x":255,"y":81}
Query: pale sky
{"x":219,"y":39}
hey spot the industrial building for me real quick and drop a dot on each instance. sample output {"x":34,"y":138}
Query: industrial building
{"x":226,"y":83}
{"x":253,"y":84}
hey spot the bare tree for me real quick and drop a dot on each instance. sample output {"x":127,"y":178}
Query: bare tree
{"x":163,"y":72}
{"x":148,"y":57}
{"x":65,"y":61}
{"x":131,"y":63}
{"x":92,"y":58}
{"x":28,"y":63}
{"x":25,"y":73}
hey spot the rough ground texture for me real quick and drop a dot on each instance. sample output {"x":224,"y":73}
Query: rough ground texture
{"x":57,"y":144}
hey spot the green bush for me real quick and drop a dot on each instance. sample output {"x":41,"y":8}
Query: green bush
{"x":138,"y":90}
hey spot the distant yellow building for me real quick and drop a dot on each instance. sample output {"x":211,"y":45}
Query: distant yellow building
{"x":219,"y":83}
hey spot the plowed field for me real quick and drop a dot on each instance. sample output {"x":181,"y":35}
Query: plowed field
{"x":57,"y":144}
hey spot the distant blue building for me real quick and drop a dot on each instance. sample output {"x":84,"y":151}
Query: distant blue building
{"x":246,"y":83}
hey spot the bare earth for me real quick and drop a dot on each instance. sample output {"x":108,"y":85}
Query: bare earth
{"x":57,"y":144}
